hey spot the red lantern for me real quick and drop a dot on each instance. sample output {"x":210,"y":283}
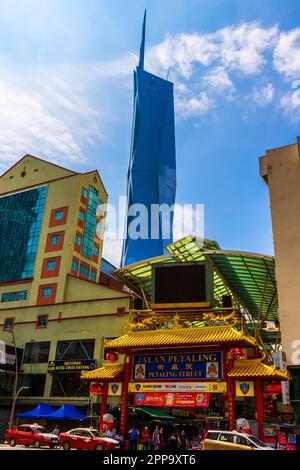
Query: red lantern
{"x":112,"y":356}
{"x":237,"y":353}
{"x":96,"y":389}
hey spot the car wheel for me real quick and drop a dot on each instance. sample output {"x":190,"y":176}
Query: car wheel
{"x":99,"y":447}
{"x":12,"y":442}
{"x":66,"y":445}
{"x":37,"y":444}
{"x":52,"y":446}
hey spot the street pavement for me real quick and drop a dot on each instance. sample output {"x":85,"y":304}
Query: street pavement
{"x":20,"y":447}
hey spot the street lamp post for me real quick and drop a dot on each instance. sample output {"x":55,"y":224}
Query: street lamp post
{"x":15,"y":392}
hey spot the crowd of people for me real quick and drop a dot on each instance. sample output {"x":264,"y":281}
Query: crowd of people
{"x":158,"y":440}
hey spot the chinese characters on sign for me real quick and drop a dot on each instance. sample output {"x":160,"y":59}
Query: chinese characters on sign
{"x":172,"y":399}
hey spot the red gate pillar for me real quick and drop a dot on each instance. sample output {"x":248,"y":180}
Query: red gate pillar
{"x":231,"y":403}
{"x":124,"y":396}
{"x":231,"y":394}
{"x":259,"y":408}
{"x":103,"y":401}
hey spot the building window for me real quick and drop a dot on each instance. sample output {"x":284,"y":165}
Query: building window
{"x":47,"y":292}
{"x":96,"y":251}
{"x":36,"y":384}
{"x":58,"y":215}
{"x":8,"y":324}
{"x":55,"y":240}
{"x":84,"y":270}
{"x":84,"y":193}
{"x":78,"y":240}
{"x":68,"y":385}
{"x":75,"y":265}
{"x":42,"y":321}
{"x":14,"y":296}
{"x":81,"y":216}
{"x":93,"y":275}
{"x":36,"y":352}
{"x":51,"y":265}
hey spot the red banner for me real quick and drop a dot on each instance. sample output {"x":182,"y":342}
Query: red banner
{"x":172,"y":399}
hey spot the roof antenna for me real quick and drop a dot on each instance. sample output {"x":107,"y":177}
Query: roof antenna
{"x":168,"y":73}
{"x":142,"y":48}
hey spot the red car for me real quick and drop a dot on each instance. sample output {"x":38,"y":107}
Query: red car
{"x":31,"y":435}
{"x":86,"y":439}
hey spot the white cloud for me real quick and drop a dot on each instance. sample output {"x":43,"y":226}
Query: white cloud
{"x":264,"y":95}
{"x":287,"y":54}
{"x":194,"y":106}
{"x":219,"y":82}
{"x":290,"y":104}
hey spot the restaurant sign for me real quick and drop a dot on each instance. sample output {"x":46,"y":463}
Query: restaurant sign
{"x":172,"y":399}
{"x":146,"y":387}
{"x":71,"y":366}
{"x":190,"y":365}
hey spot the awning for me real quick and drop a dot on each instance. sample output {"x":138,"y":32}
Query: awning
{"x":67,"y":412}
{"x":103,"y":374}
{"x":255,"y":368}
{"x":154,"y":412}
{"x":38,"y":412}
{"x":180,"y":337}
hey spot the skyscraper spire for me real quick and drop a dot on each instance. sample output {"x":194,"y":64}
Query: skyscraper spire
{"x":142,"y":48}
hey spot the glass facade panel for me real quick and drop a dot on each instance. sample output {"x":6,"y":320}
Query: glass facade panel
{"x":81,"y":216}
{"x":36,"y":384}
{"x":69,"y":385}
{"x":21,"y":218}
{"x":75,"y":349}
{"x":14,"y":296}
{"x":36,"y":353}
{"x":93,"y":276}
{"x":78,"y":240}
{"x":90,"y":223}
{"x":84,"y":192}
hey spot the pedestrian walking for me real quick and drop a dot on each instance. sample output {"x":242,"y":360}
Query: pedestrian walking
{"x":133,"y":438}
{"x":56,"y":431}
{"x":182,"y":440}
{"x":146,"y":438}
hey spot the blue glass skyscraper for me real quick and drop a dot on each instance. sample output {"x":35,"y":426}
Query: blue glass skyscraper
{"x":152,"y":164}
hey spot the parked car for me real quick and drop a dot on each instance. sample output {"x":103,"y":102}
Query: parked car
{"x":31,"y":435}
{"x":232,"y":440}
{"x":86,"y":439}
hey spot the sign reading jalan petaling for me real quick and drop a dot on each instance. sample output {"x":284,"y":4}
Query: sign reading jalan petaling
{"x":71,"y":366}
{"x":190,"y":365}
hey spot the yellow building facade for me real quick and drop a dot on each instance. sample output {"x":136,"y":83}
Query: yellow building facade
{"x":51,"y":241}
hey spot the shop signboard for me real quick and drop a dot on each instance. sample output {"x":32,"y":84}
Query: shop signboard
{"x":208,"y":387}
{"x":188,"y":365}
{"x":244,"y":388}
{"x":72,"y":366}
{"x":182,"y":399}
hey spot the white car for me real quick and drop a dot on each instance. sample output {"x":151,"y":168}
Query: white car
{"x":232,"y":440}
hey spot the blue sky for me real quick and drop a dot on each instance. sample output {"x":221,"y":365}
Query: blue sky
{"x":66,"y":95}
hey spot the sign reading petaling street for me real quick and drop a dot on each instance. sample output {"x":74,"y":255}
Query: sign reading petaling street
{"x":193,"y":365}
{"x":72,"y":366}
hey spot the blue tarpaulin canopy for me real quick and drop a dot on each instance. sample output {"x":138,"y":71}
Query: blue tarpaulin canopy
{"x":38,"y":412}
{"x":66,"y":412}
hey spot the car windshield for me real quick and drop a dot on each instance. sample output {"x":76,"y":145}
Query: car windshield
{"x":95,"y":433}
{"x":257,"y":441}
{"x":40,"y":430}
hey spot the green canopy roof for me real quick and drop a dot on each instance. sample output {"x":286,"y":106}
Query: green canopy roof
{"x":248,"y":277}
{"x":154,"y":412}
